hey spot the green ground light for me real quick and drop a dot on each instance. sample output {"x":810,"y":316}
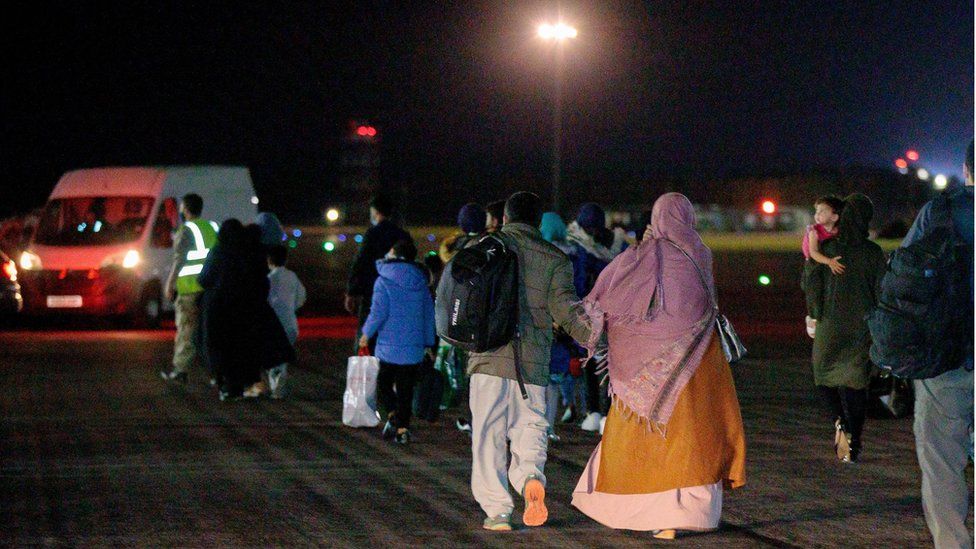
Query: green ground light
{"x":328,"y":246}
{"x":764,"y":280}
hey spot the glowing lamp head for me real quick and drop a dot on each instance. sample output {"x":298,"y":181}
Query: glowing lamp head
{"x":901,"y":163}
{"x":332,"y":215}
{"x":559,"y":31}
{"x":912,"y":155}
{"x":941,"y":182}
{"x":768,"y":207}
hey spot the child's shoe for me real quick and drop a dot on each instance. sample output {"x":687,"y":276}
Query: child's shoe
{"x":402,"y":436}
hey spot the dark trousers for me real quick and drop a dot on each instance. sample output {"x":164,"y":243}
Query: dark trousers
{"x":597,"y":398}
{"x":398,"y":400}
{"x":849,"y":406}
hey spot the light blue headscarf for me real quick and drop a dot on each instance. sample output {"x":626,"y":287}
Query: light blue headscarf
{"x":553,"y":228}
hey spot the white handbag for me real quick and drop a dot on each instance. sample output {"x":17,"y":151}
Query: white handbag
{"x":359,"y":399}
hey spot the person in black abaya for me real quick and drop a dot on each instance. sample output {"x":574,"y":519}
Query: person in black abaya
{"x":241,"y":332}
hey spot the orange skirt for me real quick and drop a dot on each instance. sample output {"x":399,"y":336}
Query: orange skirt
{"x":704,"y":441}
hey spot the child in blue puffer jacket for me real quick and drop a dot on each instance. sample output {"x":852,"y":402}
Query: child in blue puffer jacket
{"x":402,"y":318}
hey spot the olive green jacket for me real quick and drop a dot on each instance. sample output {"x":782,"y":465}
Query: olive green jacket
{"x":842,"y":342}
{"x":547,"y":296}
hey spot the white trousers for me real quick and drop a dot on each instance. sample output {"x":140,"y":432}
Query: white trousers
{"x":499,"y":415}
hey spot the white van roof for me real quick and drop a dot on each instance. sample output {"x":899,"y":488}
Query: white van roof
{"x":110,"y":182}
{"x":146,"y":181}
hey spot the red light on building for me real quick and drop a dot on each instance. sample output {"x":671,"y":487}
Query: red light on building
{"x":901,"y":164}
{"x":912,"y":155}
{"x":768,"y":207}
{"x":366,"y":131}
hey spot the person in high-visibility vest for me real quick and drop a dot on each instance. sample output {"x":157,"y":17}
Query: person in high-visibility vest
{"x":192,"y":245}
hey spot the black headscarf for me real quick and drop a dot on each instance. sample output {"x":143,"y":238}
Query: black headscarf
{"x":855,"y":220}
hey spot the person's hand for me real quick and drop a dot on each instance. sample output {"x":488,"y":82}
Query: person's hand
{"x":363,"y":341}
{"x":350,"y":304}
{"x":811,"y":327}
{"x":170,"y":293}
{"x":835,"y":266}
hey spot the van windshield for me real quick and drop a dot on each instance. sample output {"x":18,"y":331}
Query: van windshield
{"x":93,"y":221}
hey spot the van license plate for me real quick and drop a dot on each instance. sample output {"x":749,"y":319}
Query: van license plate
{"x":64,"y":301}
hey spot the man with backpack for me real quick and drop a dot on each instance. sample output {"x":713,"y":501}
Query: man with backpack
{"x":944,"y":402}
{"x":500,"y":298}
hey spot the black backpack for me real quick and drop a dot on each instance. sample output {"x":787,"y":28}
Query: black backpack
{"x":922,"y":326}
{"x":478,"y":295}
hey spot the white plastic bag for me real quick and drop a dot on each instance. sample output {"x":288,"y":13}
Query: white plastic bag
{"x":359,"y":400}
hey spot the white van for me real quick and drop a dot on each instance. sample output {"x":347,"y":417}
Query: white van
{"x":103,"y":245}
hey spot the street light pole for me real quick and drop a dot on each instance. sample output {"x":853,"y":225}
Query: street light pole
{"x":557,"y":128}
{"x":558,"y":33}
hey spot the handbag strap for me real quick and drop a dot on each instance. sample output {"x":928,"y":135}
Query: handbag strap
{"x":701,"y":275}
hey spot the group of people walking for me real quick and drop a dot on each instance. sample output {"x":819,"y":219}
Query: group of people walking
{"x":641,"y":319}
{"x":235,"y":303}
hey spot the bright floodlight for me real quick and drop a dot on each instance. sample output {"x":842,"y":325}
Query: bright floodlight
{"x":332,"y":215}
{"x":559,"y":31}
{"x":923,"y":174}
{"x":941,"y":182}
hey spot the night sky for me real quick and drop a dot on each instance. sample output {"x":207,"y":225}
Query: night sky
{"x":462,"y":91}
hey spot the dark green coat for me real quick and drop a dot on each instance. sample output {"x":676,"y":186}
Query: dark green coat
{"x":840,"y":348}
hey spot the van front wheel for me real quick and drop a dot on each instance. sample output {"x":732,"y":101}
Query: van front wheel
{"x":149,"y":309}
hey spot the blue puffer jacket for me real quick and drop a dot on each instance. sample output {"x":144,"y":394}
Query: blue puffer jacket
{"x":402,"y":313}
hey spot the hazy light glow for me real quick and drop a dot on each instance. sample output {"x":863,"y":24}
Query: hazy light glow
{"x":764,"y":280}
{"x":923,"y":174}
{"x":768,"y":206}
{"x":254,"y":200}
{"x":559,"y":31}
{"x":901,"y":163}
{"x":332,"y":215}
{"x":912,"y":155}
{"x":328,"y":246}
{"x":941,"y":182}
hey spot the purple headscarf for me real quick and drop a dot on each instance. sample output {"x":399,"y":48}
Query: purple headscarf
{"x":656,"y":314}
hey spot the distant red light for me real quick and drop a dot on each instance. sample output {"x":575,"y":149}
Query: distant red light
{"x":362,"y":131}
{"x":768,"y":206}
{"x":10,"y":270}
{"x":912,"y":155}
{"x":901,"y":163}
{"x":371,"y":131}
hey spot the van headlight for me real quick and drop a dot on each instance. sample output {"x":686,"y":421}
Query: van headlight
{"x":30,"y":261}
{"x":128,"y":260}
{"x":131,"y":259}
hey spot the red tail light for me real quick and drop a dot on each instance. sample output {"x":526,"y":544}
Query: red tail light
{"x":10,"y":270}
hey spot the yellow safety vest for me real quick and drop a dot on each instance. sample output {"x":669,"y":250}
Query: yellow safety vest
{"x":204,"y":238}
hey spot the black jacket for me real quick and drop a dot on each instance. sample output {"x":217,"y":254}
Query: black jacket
{"x":377,"y":241}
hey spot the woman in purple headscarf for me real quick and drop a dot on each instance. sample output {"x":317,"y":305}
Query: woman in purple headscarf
{"x":673,"y":438}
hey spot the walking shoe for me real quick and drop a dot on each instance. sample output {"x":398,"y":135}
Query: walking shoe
{"x":592,"y":422}
{"x":569,"y":416}
{"x":463,"y":424}
{"x":842,"y":443}
{"x":664,"y":534}
{"x":174,"y":376}
{"x":498,"y":523}
{"x":389,"y":431}
{"x":535,"y":503}
{"x":276,"y":381}
{"x":256,"y":390}
{"x":402,"y":436}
